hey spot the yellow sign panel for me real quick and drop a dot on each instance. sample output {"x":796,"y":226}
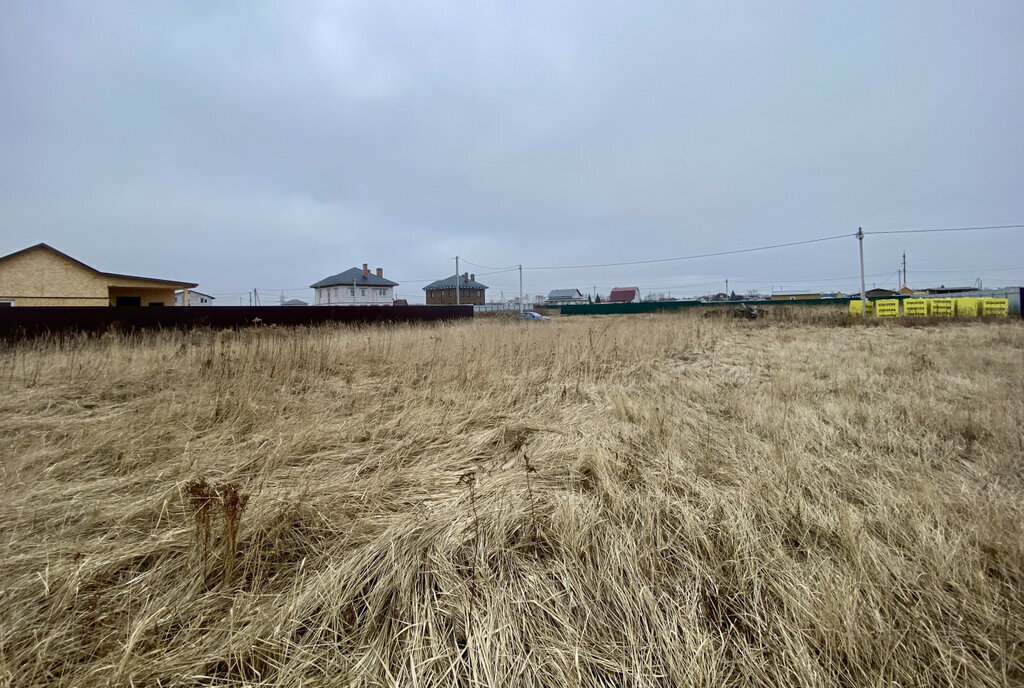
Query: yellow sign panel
{"x":887,"y":308}
{"x":968,"y":306}
{"x":996,"y":307}
{"x":942,"y":308}
{"x":855,"y":308}
{"x":915,"y":307}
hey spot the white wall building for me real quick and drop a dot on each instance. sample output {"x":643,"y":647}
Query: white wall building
{"x":355,"y":287}
{"x":195,"y":298}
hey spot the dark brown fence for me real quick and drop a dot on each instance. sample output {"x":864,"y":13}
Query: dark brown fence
{"x":32,"y":321}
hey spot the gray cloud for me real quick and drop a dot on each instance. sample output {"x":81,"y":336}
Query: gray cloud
{"x":272,"y":144}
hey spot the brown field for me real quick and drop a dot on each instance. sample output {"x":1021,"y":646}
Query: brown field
{"x":622,"y":501}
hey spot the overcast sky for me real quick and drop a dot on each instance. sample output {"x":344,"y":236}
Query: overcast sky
{"x":270,"y":145}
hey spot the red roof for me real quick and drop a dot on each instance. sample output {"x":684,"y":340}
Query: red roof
{"x":624,"y":294}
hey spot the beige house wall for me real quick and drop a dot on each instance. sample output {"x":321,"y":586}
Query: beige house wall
{"x":42,"y":278}
{"x":146,"y":296}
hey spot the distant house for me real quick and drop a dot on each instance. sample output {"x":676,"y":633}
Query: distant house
{"x":442,"y":292}
{"x":564,"y":297}
{"x":876,"y":294}
{"x":944,"y":290}
{"x":355,"y":287}
{"x":294,"y":302}
{"x":41,"y":275}
{"x":624,"y":295}
{"x":795,"y":295}
{"x":195,"y":298}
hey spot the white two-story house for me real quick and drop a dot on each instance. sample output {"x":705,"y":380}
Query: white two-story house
{"x":355,"y":287}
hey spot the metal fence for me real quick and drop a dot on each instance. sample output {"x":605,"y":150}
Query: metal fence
{"x":627,"y":308}
{"x":31,"y":321}
{"x":491,"y":307}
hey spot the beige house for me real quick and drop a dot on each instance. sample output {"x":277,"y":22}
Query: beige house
{"x":43,"y":276}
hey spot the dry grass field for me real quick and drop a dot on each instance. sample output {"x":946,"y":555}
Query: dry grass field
{"x":618,"y":501}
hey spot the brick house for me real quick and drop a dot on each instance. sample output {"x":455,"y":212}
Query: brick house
{"x":442,"y":292}
{"x":41,"y":275}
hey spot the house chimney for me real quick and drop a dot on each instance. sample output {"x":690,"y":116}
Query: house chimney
{"x":380,"y":272}
{"x":366,"y":271}
{"x":472,"y":277}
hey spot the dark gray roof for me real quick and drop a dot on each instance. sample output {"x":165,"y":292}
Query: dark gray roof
{"x":354,"y":276}
{"x":565,"y":294}
{"x":449,"y":283}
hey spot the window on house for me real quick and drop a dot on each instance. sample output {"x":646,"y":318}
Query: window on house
{"x":352,"y":291}
{"x":382,"y":292}
{"x":362,"y":292}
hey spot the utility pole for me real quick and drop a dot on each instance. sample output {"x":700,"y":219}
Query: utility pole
{"x":863,"y":294}
{"x":520,"y":288}
{"x":904,"y":268}
{"x":727,"y":287}
{"x":456,"y":280}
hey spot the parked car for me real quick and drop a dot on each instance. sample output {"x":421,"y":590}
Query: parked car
{"x":531,"y":315}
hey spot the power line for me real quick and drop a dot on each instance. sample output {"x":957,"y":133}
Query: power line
{"x":692,"y":257}
{"x":944,"y":229}
{"x":488,"y":267}
{"x":496,"y":272}
{"x":972,"y":270}
{"x":753,"y":249}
